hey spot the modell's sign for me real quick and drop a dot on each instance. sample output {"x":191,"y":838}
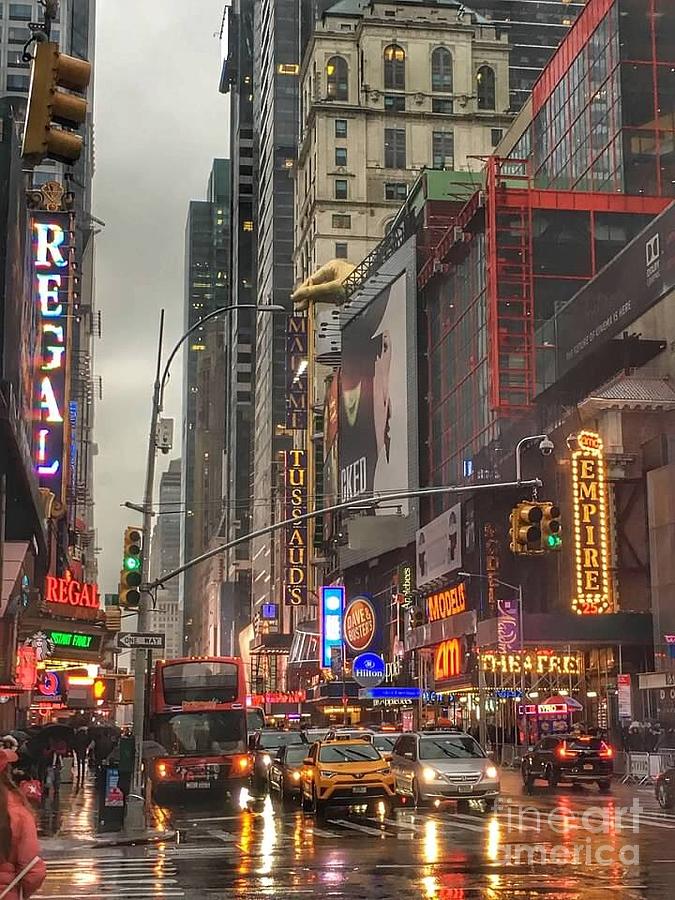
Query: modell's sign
{"x":52,"y":289}
{"x":72,"y":597}
{"x":591,"y":525}
{"x":444,"y":604}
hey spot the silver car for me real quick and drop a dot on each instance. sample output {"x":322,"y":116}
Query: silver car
{"x":444,"y":765}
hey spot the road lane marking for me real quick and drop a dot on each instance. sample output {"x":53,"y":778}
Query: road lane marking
{"x":354,"y":826}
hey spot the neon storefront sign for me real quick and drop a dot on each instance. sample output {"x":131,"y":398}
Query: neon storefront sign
{"x":51,"y":286}
{"x":67,"y":591}
{"x":331,"y":611}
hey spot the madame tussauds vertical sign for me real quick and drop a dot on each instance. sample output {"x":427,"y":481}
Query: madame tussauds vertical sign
{"x":295,"y":574}
{"x":591,"y":525}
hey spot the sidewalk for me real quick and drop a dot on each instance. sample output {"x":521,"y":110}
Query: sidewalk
{"x":70,"y":820}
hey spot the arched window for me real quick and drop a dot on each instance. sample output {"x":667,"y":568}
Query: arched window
{"x":337,"y":78}
{"x":441,"y":70}
{"x":485,"y":87}
{"x":394,"y":68}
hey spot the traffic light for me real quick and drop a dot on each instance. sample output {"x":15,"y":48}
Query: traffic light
{"x":550,"y":527}
{"x":525,"y":532}
{"x":54,"y":114}
{"x":416,"y":617}
{"x":132,"y":563}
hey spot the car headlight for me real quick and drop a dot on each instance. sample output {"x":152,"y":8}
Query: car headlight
{"x":295,"y":776}
{"x":429,"y":774}
{"x":384,"y":771}
{"x":491,"y":772}
{"x":324,"y":773}
{"x":266,"y":760}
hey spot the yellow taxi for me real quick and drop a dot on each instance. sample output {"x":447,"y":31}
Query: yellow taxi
{"x":345,"y":773}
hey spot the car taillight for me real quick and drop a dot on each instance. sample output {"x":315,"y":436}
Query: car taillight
{"x":161,"y":769}
{"x":241,"y":763}
{"x":606,"y":751}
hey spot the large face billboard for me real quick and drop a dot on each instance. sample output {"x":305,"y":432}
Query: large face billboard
{"x":374,"y":397}
{"x":439,"y":546}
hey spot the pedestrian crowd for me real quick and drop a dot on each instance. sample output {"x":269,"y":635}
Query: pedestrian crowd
{"x":647,"y":737}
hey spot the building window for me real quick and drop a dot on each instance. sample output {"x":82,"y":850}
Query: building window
{"x":15,"y":59}
{"x":18,"y":35}
{"x":337,"y":78}
{"x":441,"y":105}
{"x":340,"y":220}
{"x":394,"y":102}
{"x":485,"y":87}
{"x":341,"y":250}
{"x":394,"y":148}
{"x":341,"y":128}
{"x":22,"y":12}
{"x":394,"y":68}
{"x":443,"y":150}
{"x":340,"y":188}
{"x":395,"y":190}
{"x":441,"y":71}
{"x":496,"y":134}
{"x":17,"y":82}
{"x":340,"y":156}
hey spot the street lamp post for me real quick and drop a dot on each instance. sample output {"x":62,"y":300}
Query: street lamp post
{"x":135,"y":812}
{"x":482,"y":688}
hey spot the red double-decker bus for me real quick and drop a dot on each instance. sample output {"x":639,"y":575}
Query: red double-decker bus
{"x":197,"y":728}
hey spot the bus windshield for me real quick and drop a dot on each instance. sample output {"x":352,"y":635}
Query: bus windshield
{"x":202,"y":733}
{"x":199,"y":681}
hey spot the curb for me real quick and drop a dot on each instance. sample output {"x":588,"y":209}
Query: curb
{"x":141,"y":839}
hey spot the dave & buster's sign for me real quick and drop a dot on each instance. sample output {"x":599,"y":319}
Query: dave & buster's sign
{"x":360,"y":624}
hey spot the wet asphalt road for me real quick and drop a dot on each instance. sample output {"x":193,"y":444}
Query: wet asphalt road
{"x":566,"y":843}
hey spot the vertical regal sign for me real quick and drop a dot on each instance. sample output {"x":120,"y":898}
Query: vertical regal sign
{"x":51,"y":255}
{"x":591,"y":525}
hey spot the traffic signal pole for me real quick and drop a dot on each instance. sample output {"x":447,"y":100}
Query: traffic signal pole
{"x":135,"y":819}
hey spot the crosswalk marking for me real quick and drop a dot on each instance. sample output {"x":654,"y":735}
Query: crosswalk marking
{"x":354,"y":826}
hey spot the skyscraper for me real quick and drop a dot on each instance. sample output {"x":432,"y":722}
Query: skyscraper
{"x":276,"y":66}
{"x":166,"y":616}
{"x":206,"y":289}
{"x":237,"y":80}
{"x":535,"y":29}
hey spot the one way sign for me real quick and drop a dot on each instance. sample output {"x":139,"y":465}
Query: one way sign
{"x":131,"y":640}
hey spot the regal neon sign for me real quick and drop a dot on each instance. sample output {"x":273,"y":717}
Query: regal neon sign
{"x":51,"y":262}
{"x":591,"y":525}
{"x":70,"y":592}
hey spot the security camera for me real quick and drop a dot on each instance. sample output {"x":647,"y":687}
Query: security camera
{"x":546,"y":447}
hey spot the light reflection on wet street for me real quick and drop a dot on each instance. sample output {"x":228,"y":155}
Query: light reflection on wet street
{"x":555,"y":844}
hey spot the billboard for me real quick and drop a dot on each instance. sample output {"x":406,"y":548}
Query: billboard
{"x":374,"y":397}
{"x":439,"y":546}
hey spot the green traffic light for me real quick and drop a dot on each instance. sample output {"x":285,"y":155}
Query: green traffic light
{"x":553,"y":540}
{"x":131,"y":563}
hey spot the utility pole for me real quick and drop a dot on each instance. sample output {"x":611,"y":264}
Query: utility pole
{"x":135,"y":813}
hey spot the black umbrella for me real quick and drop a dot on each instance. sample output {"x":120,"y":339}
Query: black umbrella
{"x":49,"y":736}
{"x":20,"y":736}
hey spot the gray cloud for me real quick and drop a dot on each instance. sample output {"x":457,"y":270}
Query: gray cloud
{"x":159,"y":122}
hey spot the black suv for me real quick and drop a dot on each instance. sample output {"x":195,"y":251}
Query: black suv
{"x":263,"y":747}
{"x":571,"y":759}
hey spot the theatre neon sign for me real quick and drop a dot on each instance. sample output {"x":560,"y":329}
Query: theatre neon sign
{"x":591,"y":525}
{"x":51,"y":285}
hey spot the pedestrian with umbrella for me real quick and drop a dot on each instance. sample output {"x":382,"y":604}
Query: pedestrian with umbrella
{"x":22,"y":871}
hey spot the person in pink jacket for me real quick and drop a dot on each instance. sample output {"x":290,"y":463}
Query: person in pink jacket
{"x":18,"y":837}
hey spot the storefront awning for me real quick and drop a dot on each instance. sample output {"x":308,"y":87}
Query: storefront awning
{"x":560,"y":630}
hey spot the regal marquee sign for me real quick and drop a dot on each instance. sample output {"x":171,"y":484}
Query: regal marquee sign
{"x":51,"y":255}
{"x":591,"y":525}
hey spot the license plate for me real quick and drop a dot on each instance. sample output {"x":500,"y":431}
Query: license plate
{"x":359,"y":790}
{"x":197,"y":785}
{"x":465,"y":788}
{"x":588,"y":767}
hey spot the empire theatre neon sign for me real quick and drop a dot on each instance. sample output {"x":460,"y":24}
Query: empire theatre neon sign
{"x":51,"y":261}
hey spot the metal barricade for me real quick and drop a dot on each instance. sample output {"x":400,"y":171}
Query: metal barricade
{"x":637,"y":769}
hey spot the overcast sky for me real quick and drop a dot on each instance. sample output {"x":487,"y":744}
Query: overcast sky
{"x":159,"y":121}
